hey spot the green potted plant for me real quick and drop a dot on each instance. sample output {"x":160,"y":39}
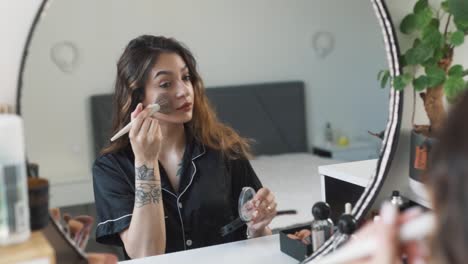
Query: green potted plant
{"x":428,"y":66}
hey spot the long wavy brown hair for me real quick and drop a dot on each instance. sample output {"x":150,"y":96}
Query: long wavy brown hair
{"x":447,"y":180}
{"x":133,"y":68}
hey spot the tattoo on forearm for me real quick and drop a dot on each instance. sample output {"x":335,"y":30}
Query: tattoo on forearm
{"x":147,"y":193}
{"x":179,"y":169}
{"x":144,"y":173}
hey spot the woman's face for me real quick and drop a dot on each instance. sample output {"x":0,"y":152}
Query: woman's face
{"x":170,"y":76}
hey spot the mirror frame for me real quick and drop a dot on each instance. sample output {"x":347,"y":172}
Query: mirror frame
{"x":391,"y":136}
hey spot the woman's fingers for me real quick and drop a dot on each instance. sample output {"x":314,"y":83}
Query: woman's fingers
{"x":415,"y":251}
{"x":137,"y":111}
{"x":145,"y":128}
{"x":137,"y":123}
{"x":154,"y":128}
{"x":265,"y":205}
{"x":261,"y":195}
{"x":55,"y":213}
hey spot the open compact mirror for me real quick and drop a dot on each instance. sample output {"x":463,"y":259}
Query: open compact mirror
{"x":246,"y":211}
{"x":298,"y":78}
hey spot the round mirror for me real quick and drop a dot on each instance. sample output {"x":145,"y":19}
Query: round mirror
{"x":299,"y":78}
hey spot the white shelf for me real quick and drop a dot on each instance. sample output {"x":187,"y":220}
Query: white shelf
{"x":357,"y":172}
{"x":355,"y":151}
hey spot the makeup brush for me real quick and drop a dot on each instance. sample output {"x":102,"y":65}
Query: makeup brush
{"x":415,"y":229}
{"x":162,"y":105}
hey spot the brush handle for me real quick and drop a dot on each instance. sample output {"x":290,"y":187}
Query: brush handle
{"x":126,"y":129}
{"x":415,"y":229}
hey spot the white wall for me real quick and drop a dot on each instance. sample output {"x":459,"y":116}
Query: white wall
{"x":235,"y":42}
{"x":15,"y":20}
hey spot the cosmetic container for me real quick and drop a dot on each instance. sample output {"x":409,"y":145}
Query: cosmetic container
{"x":322,"y":225}
{"x":14,"y":209}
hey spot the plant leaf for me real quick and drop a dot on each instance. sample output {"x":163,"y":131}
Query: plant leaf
{"x":420,"y":83}
{"x":379,"y":75}
{"x":435,"y":22}
{"x":461,"y":25}
{"x":453,"y":87}
{"x":432,"y":37}
{"x":457,"y":38}
{"x":420,"y":5}
{"x":408,"y":24}
{"x":436,"y":76}
{"x":401,"y":81}
{"x":419,"y":54}
{"x":402,"y":61}
{"x":423,"y":18}
{"x":384,"y":80}
{"x":456,"y":71}
{"x":459,"y":9}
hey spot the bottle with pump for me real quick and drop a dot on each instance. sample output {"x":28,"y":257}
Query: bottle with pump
{"x":322,"y":226}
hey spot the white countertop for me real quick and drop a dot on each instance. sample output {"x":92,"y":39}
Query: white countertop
{"x":257,"y":250}
{"x":357,"y":172}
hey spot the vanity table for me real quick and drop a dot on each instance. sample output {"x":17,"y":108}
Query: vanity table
{"x":256,"y":250}
{"x":35,"y":250}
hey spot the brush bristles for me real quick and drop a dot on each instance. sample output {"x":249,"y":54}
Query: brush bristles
{"x":165,"y":104}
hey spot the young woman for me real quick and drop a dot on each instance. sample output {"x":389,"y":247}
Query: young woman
{"x":174,"y":181}
{"x":447,"y":183}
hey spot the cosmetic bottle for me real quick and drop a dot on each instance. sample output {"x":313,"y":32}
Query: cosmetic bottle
{"x":346,"y":227}
{"x":328,"y":134}
{"x":322,"y":225}
{"x":14,"y":210}
{"x":400,"y":202}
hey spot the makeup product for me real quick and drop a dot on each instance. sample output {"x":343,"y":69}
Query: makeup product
{"x":245,"y":209}
{"x":346,"y":226}
{"x":14,"y":211}
{"x":328,"y":134}
{"x":322,"y":226}
{"x":161,"y":105}
{"x":399,"y":201}
{"x":416,"y":229}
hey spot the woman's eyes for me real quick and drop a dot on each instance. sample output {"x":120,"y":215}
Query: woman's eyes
{"x":165,"y":85}
{"x":186,"y":78}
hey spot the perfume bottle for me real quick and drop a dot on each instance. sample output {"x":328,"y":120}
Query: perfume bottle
{"x":322,"y":226}
{"x":328,"y":134}
{"x":346,"y":227}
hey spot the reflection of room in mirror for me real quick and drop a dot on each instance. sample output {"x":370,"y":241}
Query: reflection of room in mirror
{"x":234,"y":45}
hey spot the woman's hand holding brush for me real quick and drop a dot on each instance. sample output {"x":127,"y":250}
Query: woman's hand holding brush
{"x":145,"y":135}
{"x":162,"y":105}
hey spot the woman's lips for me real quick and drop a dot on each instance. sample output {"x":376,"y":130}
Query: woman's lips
{"x":185,"y":107}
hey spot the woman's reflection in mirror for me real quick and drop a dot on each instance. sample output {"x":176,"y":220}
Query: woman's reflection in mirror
{"x":176,"y":178}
